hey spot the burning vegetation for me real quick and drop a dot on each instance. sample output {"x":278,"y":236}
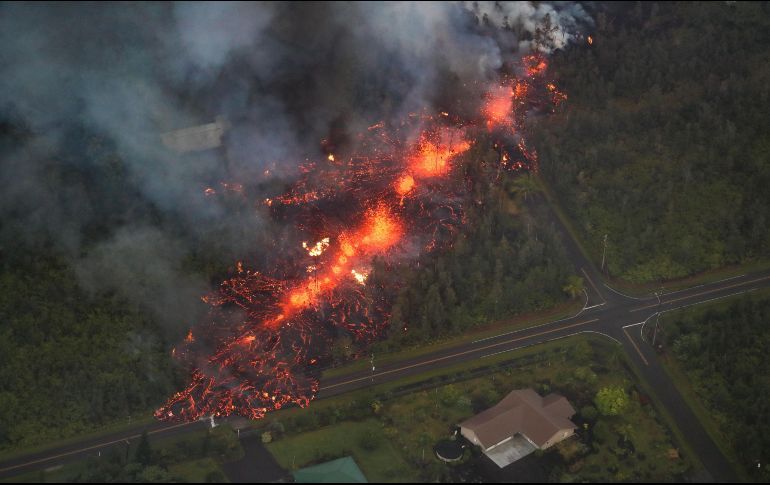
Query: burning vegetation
{"x":398,"y":196}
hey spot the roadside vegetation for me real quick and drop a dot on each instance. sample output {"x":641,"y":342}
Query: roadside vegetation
{"x":620,"y":436}
{"x":663,"y":144}
{"x":192,"y":458}
{"x":718,"y":358}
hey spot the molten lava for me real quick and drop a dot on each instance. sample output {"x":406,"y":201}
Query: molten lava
{"x":267,"y":331}
{"x":405,"y":184}
{"x":433,"y":153}
{"x":498,"y":109}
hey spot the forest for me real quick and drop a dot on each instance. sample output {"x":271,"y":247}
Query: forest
{"x":723,"y":352}
{"x":664,"y":145}
{"x":79,"y":353}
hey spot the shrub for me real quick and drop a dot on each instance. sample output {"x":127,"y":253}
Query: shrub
{"x":611,"y":401}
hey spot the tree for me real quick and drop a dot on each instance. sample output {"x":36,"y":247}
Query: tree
{"x":143,"y":454}
{"x":574,"y":287}
{"x":342,"y":349}
{"x":611,"y":401}
{"x":589,"y":413}
{"x":526,"y":185}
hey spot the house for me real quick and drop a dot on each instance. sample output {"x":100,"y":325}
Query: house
{"x":342,"y":470}
{"x":196,"y":138}
{"x":520,"y":424}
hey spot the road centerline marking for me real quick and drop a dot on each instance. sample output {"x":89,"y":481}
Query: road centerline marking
{"x":593,"y":285}
{"x":100,"y":445}
{"x":469,"y":351}
{"x":713,"y":290}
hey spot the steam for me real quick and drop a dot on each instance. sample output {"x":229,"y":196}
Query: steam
{"x":90,"y":80}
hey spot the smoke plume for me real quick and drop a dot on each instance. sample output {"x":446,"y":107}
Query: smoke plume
{"x":92,"y":87}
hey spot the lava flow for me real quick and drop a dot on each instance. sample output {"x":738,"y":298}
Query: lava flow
{"x":267,"y":332}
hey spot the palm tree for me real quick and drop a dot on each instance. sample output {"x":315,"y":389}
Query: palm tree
{"x":574,"y":286}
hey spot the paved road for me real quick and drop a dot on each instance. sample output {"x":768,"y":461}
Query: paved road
{"x":619,"y":317}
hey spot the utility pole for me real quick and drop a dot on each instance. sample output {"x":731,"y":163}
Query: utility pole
{"x":657,"y":319}
{"x":372,"y":361}
{"x":604,"y":251}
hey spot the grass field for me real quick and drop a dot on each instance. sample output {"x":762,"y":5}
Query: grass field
{"x":197,"y":471}
{"x":382,"y":462}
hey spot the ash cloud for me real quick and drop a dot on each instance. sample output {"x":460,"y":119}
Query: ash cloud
{"x":94,"y":86}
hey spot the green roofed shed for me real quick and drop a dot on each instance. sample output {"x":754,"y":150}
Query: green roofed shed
{"x":342,"y":470}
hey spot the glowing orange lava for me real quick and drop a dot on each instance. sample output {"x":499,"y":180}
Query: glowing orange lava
{"x":431,"y":158}
{"x":535,"y":65}
{"x":381,"y":230}
{"x":405,"y":184}
{"x":499,"y":106}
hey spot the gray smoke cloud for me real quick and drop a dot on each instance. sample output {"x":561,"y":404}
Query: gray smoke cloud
{"x":95,"y":85}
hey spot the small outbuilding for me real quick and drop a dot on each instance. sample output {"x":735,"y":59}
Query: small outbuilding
{"x":342,"y":470}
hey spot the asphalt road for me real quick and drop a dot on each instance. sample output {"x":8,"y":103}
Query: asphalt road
{"x":618,"y":317}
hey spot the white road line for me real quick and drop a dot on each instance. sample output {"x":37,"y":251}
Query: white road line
{"x":594,"y":306}
{"x":631,"y":339}
{"x":531,"y":328}
{"x":668,"y":293}
{"x":713,"y":290}
{"x":602,"y":333}
{"x":89,"y":448}
{"x":624,"y":295}
{"x":551,"y":340}
{"x":598,"y":293}
{"x":458,"y":354}
{"x":710,"y":300}
{"x":704,"y":284}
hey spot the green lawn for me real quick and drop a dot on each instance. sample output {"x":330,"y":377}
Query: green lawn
{"x":197,"y":471}
{"x":382,"y":462}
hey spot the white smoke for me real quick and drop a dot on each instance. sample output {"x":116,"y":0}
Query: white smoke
{"x":529,"y":17}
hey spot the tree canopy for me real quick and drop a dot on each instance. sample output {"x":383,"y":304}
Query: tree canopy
{"x":664,"y":143}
